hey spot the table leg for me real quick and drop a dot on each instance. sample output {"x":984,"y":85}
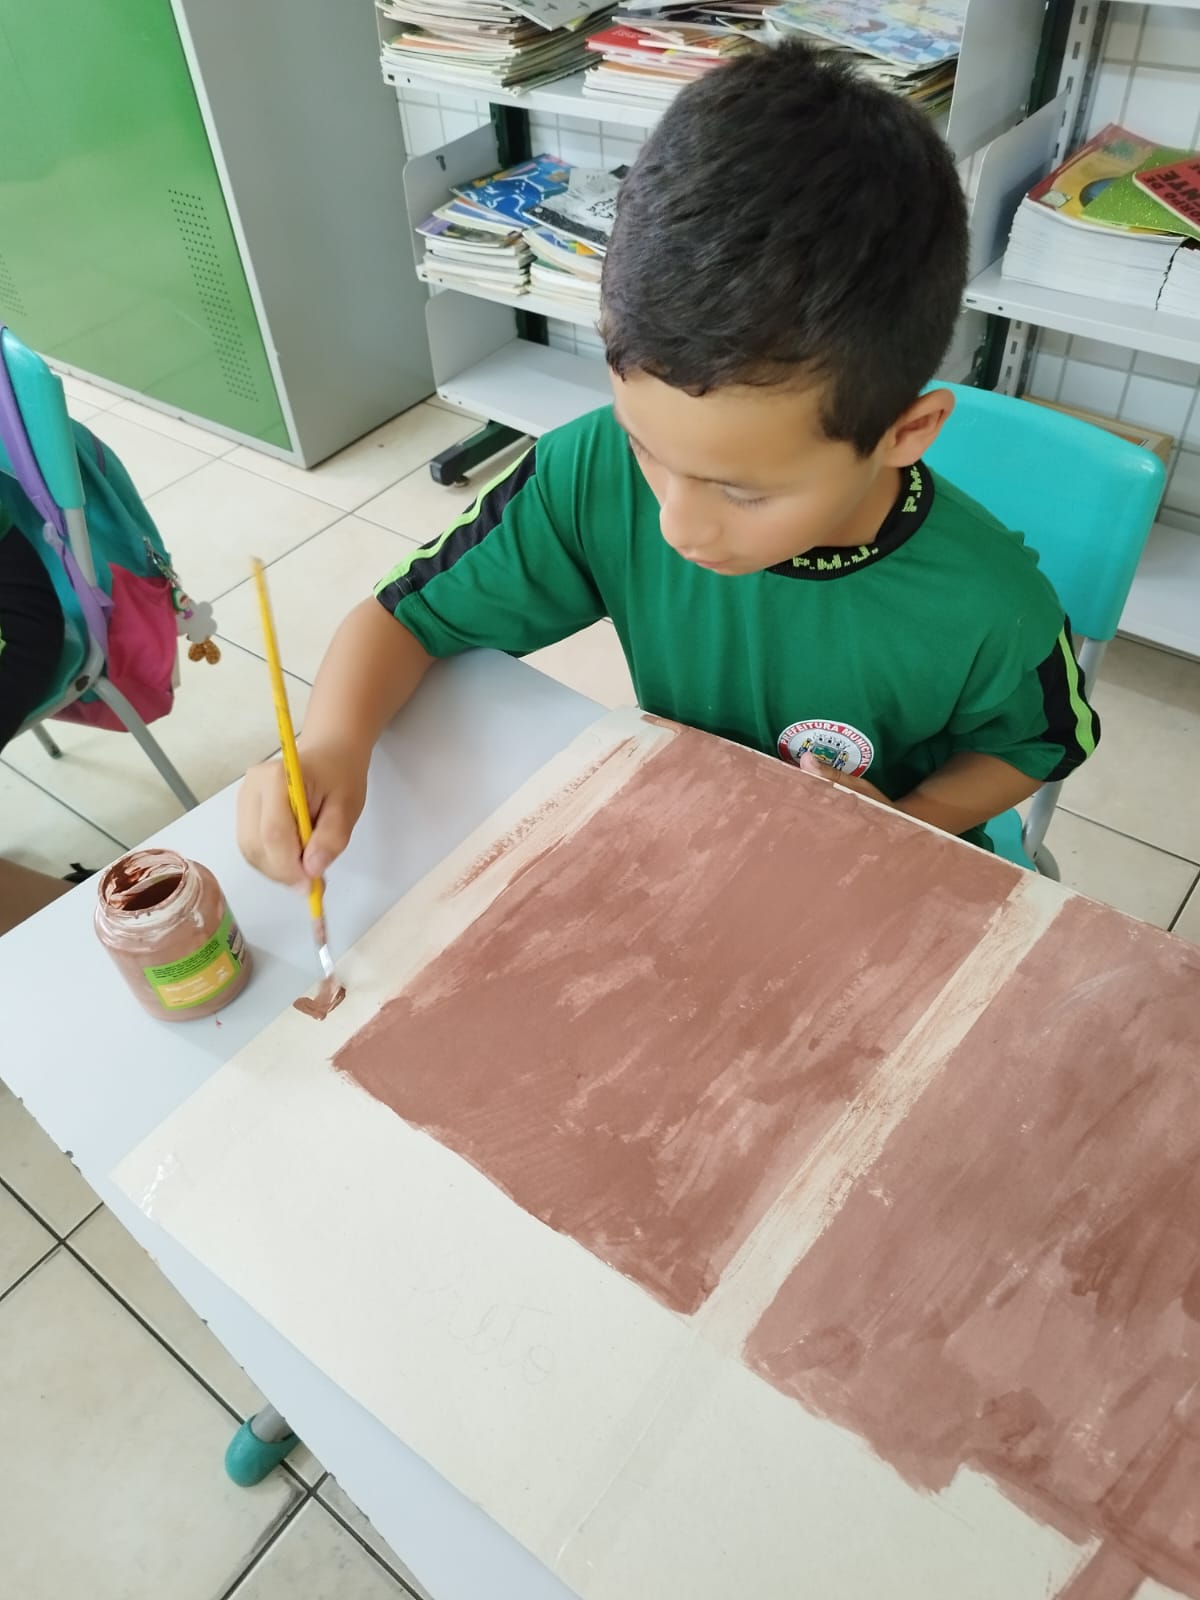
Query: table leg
{"x":258,"y":1446}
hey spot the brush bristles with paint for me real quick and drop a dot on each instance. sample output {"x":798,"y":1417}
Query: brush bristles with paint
{"x":329,"y":992}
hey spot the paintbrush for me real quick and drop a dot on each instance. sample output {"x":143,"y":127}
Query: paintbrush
{"x":295,"y":777}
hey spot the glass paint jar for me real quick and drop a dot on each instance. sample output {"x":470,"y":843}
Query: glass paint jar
{"x":165,"y":922}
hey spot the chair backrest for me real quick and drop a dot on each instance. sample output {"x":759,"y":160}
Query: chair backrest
{"x":52,"y":479}
{"x":1084,"y":499}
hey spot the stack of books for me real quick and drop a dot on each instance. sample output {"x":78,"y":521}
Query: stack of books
{"x":488,"y":44}
{"x":1181,"y":292}
{"x":1096,"y":227}
{"x":565,"y":269}
{"x":659,"y":54}
{"x":540,"y":225}
{"x":571,"y":238}
{"x":912,"y":51}
{"x":461,"y":256}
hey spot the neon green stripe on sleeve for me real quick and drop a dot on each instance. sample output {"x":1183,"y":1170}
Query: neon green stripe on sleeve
{"x":1085,"y":728}
{"x":427,"y":551}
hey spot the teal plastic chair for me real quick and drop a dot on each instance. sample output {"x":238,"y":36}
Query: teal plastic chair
{"x":37,"y":447}
{"x":1085,"y":501}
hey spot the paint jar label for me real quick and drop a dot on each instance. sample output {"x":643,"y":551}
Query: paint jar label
{"x":200,"y":977}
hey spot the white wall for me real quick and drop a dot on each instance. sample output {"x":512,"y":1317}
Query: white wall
{"x":1149,"y":81}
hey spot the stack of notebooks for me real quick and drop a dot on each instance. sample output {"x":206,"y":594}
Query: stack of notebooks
{"x":1116,"y":221}
{"x":541,"y":225}
{"x":651,"y":55}
{"x":911,"y":50}
{"x":488,"y":44}
{"x":1181,"y":293}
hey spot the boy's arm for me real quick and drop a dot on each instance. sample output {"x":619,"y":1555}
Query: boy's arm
{"x":1027,"y":723}
{"x":370,"y":671}
{"x":509,"y":574}
{"x":968,"y":791}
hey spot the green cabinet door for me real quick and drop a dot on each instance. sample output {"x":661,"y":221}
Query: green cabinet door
{"x":116,"y":250}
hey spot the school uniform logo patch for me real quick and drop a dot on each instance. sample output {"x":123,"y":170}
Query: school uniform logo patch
{"x":839,"y":745}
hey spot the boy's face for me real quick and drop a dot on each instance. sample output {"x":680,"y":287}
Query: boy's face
{"x":745,"y":477}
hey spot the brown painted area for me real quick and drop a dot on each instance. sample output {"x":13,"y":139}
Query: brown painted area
{"x":501,"y":846}
{"x":1109,"y":1575}
{"x":1015,"y":1285}
{"x":645,"y":1032}
{"x":327,"y":997}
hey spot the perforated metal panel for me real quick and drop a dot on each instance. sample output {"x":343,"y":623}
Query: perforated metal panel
{"x":196,"y":236}
{"x":120,"y":250}
{"x":11,"y":303}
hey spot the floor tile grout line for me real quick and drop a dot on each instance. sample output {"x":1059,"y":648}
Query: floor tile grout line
{"x":66,"y":805}
{"x":63,"y":1241}
{"x":288,"y":1516}
{"x":383,"y":527}
{"x":354,"y":1534}
{"x":1187,"y":899}
{"x":1133,"y":838}
{"x":29,"y":1271}
{"x":307,"y":539}
{"x":374,"y":493}
{"x":183,"y":476}
{"x":303,"y":1482}
{"x":71,"y":1232}
{"x":162,"y":433}
{"x":59,"y":1238}
{"x":158,"y":1337}
{"x":288,"y":672}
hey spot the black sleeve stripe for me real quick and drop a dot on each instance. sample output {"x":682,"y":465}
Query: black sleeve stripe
{"x":1070,"y":720}
{"x":464,"y":534}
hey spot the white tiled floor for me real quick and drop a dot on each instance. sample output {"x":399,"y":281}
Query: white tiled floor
{"x":116,"y":1400}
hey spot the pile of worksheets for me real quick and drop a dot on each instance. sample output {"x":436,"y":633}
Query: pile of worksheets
{"x":488,"y":44}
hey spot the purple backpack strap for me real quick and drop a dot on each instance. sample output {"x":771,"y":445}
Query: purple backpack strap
{"x":93,"y":603}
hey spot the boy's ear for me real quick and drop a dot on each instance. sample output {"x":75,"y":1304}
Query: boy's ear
{"x":915,"y":430}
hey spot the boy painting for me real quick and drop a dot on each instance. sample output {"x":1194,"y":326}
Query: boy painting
{"x":752,"y":512}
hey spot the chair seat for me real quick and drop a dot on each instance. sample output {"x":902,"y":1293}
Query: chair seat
{"x":1005,"y":833}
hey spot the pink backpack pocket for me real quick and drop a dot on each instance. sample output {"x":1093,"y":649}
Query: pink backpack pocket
{"x":143,"y":634}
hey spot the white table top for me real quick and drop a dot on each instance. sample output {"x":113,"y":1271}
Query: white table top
{"x":99,"y":1075}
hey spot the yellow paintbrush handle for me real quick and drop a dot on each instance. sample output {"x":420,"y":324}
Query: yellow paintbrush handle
{"x":287,"y":736}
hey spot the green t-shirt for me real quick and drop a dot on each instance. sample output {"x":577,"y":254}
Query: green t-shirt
{"x":941,"y":636}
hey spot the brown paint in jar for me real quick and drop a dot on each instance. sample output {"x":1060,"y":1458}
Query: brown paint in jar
{"x":165,"y":922}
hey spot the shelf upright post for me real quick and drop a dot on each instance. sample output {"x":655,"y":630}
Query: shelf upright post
{"x":511,"y":127}
{"x":1071,"y":38}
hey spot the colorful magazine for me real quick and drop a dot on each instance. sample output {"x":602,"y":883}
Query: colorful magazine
{"x":906,"y":32}
{"x":586,"y":210}
{"x":1177,"y":187}
{"x":512,"y":194}
{"x":1095,"y":188}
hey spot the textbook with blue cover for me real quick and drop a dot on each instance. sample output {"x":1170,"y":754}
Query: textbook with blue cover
{"x":510,"y":196}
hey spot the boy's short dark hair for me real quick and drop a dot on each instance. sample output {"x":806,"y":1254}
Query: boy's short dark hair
{"x":786,"y":218}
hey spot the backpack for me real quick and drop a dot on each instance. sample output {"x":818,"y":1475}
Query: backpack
{"x":137,"y":609}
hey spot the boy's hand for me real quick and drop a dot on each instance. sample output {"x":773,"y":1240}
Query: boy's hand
{"x":818,"y":769}
{"x":335,"y":781}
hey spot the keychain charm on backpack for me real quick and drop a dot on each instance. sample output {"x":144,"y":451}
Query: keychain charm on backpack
{"x":195,"y":621}
{"x":199,"y":627}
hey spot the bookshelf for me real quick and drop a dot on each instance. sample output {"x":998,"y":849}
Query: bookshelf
{"x":1129,"y":326}
{"x":1164,"y":604}
{"x":562,"y":99}
{"x":537,"y":305}
{"x":529,"y":387}
{"x":483,"y":359}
